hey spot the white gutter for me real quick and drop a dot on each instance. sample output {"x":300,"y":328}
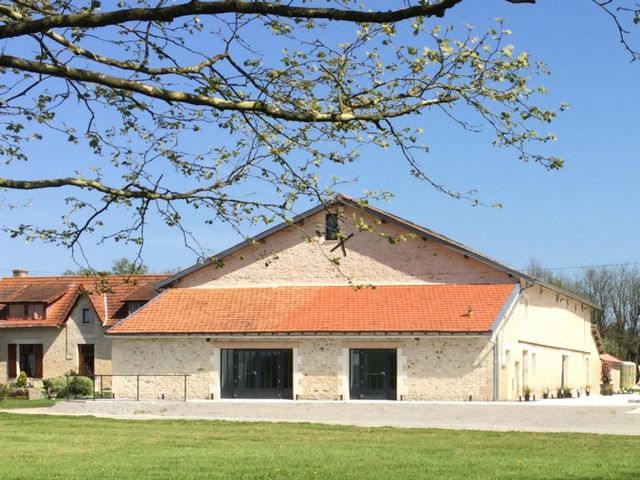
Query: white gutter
{"x":106,"y":309}
{"x":288,"y":336}
{"x":498,"y":324}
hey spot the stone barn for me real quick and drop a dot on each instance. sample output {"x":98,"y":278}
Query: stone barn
{"x":349,"y":302}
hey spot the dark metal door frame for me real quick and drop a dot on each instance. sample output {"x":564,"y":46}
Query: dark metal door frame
{"x":262,"y":380}
{"x":371,"y":382}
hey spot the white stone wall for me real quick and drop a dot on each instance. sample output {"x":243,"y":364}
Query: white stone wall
{"x":449,"y":369}
{"x":543,"y":328}
{"x":321,"y":365}
{"x":290,"y":257}
{"x":156,"y":360}
{"x":60,"y":345}
{"x":429,"y":368}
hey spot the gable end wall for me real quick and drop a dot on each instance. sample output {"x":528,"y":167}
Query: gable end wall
{"x":288,"y":258}
{"x":544,"y":327}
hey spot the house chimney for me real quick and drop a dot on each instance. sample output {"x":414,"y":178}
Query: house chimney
{"x":19,"y":273}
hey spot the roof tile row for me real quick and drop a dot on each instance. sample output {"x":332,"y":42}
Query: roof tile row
{"x":401,"y":308}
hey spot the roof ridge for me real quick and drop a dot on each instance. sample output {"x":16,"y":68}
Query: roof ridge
{"x":352,"y":287}
{"x":77,"y":277}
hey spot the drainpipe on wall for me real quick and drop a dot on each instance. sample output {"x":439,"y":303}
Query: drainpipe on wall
{"x":496,"y":368}
{"x":106,"y":309}
{"x":498,"y":325}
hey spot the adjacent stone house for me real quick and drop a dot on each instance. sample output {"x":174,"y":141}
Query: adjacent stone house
{"x":50,"y":326}
{"x":350,"y":302}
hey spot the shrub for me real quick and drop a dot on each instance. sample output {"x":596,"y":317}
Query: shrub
{"x":606,"y":389}
{"x":19,"y":393}
{"x":605,"y":374}
{"x":5,"y":390}
{"x":22,"y":380}
{"x":74,"y":386}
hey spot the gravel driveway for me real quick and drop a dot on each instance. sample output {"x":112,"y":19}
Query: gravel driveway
{"x":615,"y":415}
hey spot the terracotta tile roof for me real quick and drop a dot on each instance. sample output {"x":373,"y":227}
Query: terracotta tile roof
{"x":39,"y":292}
{"x":605,"y":357}
{"x":57,"y":310}
{"x":415,"y":308}
{"x":117,"y":288}
{"x":60,"y":295}
{"x":144,"y":292}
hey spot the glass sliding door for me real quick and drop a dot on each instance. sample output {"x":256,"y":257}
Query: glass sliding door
{"x":256,"y":373}
{"x":246,"y":373}
{"x":373,"y":374}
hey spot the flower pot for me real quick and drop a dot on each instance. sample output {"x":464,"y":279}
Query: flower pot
{"x":606,"y":389}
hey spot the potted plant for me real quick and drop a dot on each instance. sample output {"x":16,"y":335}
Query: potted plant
{"x":567,"y":393}
{"x":587,"y":390}
{"x":559,"y":392}
{"x":527,"y":393}
{"x":21,"y":381}
{"x":545,"y":393}
{"x":606,"y":387}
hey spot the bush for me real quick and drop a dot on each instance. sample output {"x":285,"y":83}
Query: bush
{"x":5,"y":390}
{"x":19,"y":393}
{"x":22,"y":380}
{"x":605,"y":373}
{"x":78,"y":386}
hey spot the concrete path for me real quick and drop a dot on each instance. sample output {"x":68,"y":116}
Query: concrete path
{"x":613,"y":415}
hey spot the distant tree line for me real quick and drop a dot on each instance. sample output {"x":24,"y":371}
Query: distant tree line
{"x":617,"y":291}
{"x":121,"y":266}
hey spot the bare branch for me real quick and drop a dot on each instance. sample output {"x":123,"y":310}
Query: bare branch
{"x":165,"y":14}
{"x":217,"y":103}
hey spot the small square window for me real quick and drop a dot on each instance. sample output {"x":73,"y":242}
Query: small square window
{"x":332,"y":226}
{"x":86,"y":315}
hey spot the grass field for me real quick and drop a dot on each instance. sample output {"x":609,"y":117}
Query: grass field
{"x":80,"y":448}
{"x":9,"y":403}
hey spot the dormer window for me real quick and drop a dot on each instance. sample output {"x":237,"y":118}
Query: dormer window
{"x":332,"y":226}
{"x":133,"y":306}
{"x":26,"y":311}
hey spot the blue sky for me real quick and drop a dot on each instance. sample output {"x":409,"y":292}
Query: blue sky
{"x":585,"y":214}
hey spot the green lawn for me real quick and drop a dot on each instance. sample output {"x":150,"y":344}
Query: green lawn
{"x":9,"y":403}
{"x":80,"y":448}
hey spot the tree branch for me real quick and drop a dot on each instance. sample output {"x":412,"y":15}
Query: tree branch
{"x":132,"y":66}
{"x":92,"y":19}
{"x":253,"y":106}
{"x":164,"y":14}
{"x":79,"y":182}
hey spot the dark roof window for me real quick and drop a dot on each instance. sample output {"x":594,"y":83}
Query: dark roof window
{"x":136,"y":305}
{"x":332,"y":226}
{"x":26,"y":311}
